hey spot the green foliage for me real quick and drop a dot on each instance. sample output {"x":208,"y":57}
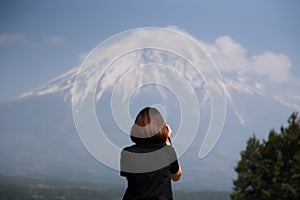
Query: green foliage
{"x":270,"y":169}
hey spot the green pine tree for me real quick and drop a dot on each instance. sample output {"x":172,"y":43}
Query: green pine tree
{"x":270,"y":169}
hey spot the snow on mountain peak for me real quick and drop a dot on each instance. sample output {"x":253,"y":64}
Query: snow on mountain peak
{"x":255,"y":75}
{"x":61,"y":84}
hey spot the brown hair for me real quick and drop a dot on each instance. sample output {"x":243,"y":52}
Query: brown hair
{"x":149,"y":127}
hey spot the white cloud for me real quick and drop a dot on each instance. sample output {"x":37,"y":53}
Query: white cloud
{"x":274,"y":66}
{"x":6,"y":39}
{"x":265,"y":74}
{"x":15,"y":38}
{"x":54,"y":40}
{"x":229,"y":55}
{"x":232,"y":57}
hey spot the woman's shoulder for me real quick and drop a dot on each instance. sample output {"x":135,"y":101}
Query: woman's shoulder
{"x":129,"y":147}
{"x":143,"y":148}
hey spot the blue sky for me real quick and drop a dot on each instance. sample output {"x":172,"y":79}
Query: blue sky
{"x":40,"y":40}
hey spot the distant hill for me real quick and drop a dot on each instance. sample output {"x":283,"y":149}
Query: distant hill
{"x":49,"y":189}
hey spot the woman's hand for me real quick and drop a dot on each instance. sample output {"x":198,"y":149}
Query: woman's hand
{"x":168,"y":142}
{"x":170,"y":131}
{"x":176,"y":177}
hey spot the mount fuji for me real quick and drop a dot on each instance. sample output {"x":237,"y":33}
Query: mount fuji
{"x":39,"y":137}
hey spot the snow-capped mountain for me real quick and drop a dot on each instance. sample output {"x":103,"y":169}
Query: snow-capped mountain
{"x":39,"y":138}
{"x":285,"y":93}
{"x":266,"y":74}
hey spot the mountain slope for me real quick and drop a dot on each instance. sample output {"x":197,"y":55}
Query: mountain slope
{"x":39,"y":138}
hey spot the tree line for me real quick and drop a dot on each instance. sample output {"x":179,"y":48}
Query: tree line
{"x":270,"y":169}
